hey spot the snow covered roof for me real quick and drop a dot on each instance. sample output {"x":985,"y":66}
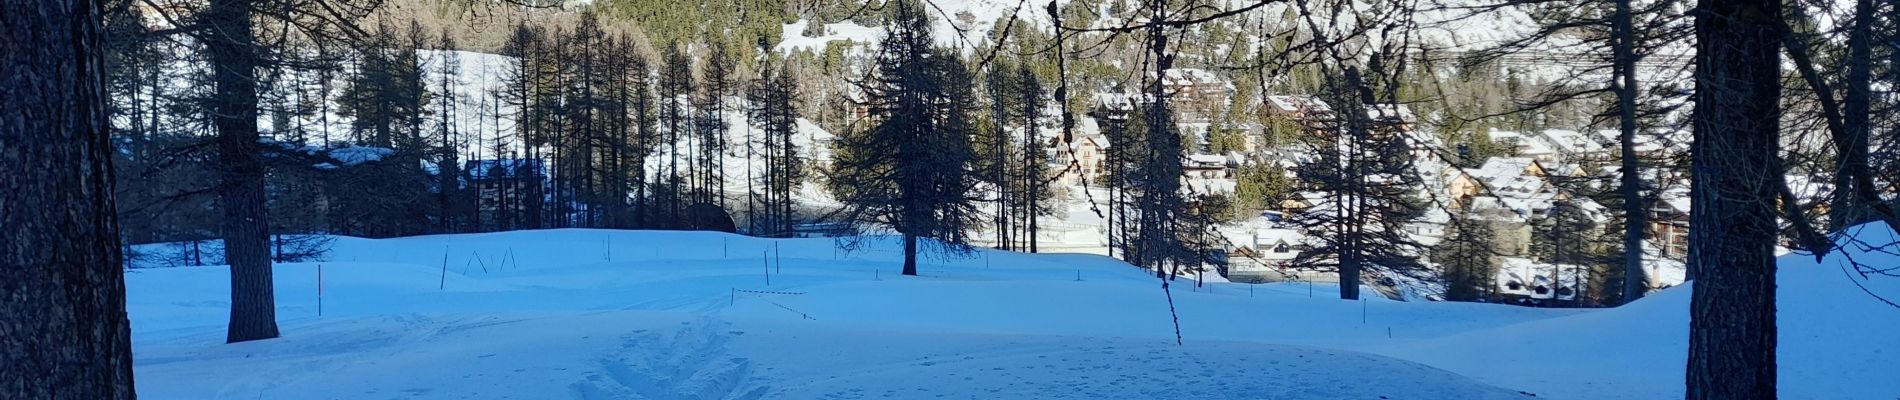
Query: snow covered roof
{"x":1572,"y":142}
{"x":1118,"y":101}
{"x":1676,"y":199}
{"x":1266,"y":241}
{"x":1211,"y":185}
{"x":1298,"y":105}
{"x":1192,"y":77}
{"x":1527,"y":145}
{"x":1207,"y":159}
{"x":1509,"y":176}
{"x":1523,"y":277}
{"x":1387,"y":112}
{"x":354,"y":155}
{"x":1489,"y":208}
{"x":505,"y":168}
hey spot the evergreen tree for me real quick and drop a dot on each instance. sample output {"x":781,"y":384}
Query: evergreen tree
{"x":1259,"y":186}
{"x":1564,"y":235}
{"x":716,"y":83}
{"x":911,"y":171}
{"x":1035,"y":163}
{"x":64,"y":318}
{"x":675,"y":92}
{"x":1737,"y":120}
{"x":773,"y":110}
{"x":1466,"y":259}
{"x":1362,"y":166}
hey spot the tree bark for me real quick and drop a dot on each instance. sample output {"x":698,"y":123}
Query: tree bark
{"x":1635,"y":214}
{"x":234,"y":59}
{"x":63,"y":327}
{"x":1856,"y":102}
{"x":910,"y":254}
{"x":1735,"y":167}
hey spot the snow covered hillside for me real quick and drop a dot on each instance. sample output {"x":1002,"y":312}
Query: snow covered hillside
{"x":666,"y":315}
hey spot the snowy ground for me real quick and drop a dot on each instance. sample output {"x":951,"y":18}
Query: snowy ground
{"x":626,"y":314}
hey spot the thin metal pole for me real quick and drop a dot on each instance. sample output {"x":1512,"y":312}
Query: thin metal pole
{"x":444,"y":282}
{"x":319,"y":290}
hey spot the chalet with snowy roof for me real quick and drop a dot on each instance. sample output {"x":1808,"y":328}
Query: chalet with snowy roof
{"x":1512,"y":177}
{"x":1208,"y":166}
{"x":1263,"y":254}
{"x":1297,"y":110}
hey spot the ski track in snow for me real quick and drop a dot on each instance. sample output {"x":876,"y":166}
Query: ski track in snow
{"x":693,"y":363}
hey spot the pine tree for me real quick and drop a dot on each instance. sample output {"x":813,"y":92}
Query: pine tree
{"x":773,"y":110}
{"x":911,"y":171}
{"x":1260,"y":186}
{"x":675,"y":88}
{"x":235,"y":59}
{"x":716,"y":83}
{"x":1466,"y":259}
{"x":1362,"y":165}
{"x":1035,"y":164}
{"x":450,"y":214}
{"x":66,"y":333}
{"x":1731,"y":251}
{"x":644,"y":137}
{"x":1565,"y":235}
{"x":519,"y":205}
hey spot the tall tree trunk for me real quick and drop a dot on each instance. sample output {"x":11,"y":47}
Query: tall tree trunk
{"x":1849,"y":196}
{"x":63,"y":328}
{"x":910,"y":254}
{"x":1635,"y":215}
{"x":234,"y":60}
{"x":1734,"y":167}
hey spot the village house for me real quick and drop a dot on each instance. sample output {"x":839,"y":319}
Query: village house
{"x":1090,"y":156}
{"x":505,"y":189}
{"x":1669,"y":223}
{"x":1264,"y":254}
{"x":1297,"y":110}
{"x":1197,"y":95}
{"x":1520,"y":280}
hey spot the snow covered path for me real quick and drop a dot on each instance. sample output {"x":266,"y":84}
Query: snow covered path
{"x":594,"y":314}
{"x":647,"y":355}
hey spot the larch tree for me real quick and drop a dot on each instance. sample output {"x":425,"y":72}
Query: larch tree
{"x":235,"y":57}
{"x":911,"y":170}
{"x":675,"y":112}
{"x":1734,"y":171}
{"x":1035,"y":164}
{"x":63,"y":326}
{"x":1467,"y":257}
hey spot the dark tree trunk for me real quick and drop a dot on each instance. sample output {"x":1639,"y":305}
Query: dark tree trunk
{"x":1850,"y":197}
{"x":1635,"y":215}
{"x":234,"y":60}
{"x":910,"y":254}
{"x":63,"y":328}
{"x":1734,"y":167}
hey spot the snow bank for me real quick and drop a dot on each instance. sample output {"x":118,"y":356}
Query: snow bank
{"x":1836,"y":341}
{"x":581,"y":313}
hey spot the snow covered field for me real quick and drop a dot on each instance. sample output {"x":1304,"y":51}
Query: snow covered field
{"x":599,"y":314}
